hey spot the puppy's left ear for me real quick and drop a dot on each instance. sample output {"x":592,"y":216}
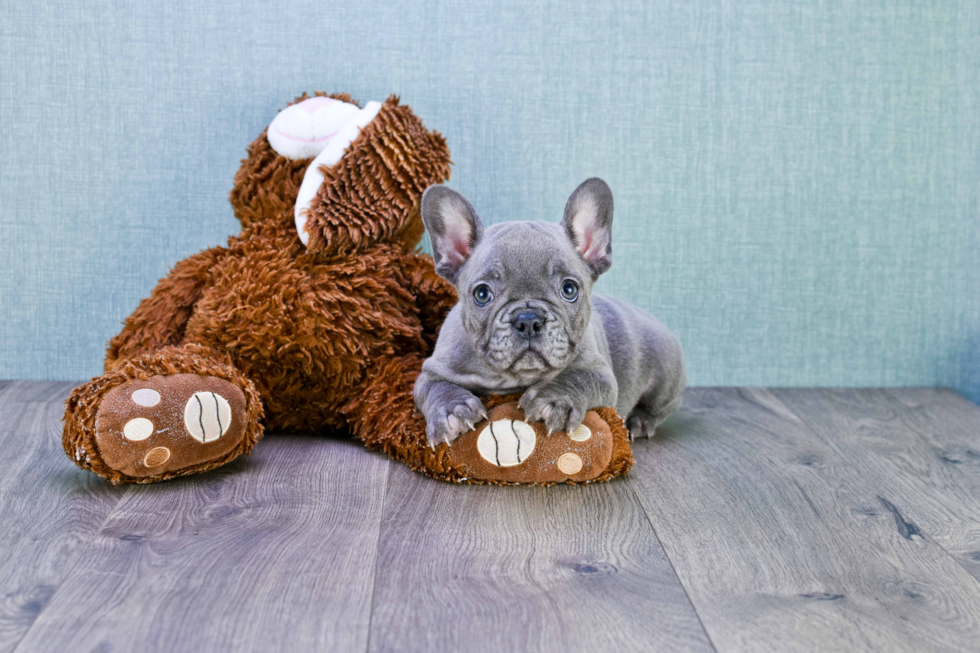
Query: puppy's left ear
{"x":454,"y":227}
{"x":588,"y":222}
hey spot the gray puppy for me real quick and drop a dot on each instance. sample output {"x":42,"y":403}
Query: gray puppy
{"x":527,"y":321}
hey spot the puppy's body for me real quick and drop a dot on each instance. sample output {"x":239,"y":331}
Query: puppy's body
{"x":646,"y":358}
{"x":541,"y":331}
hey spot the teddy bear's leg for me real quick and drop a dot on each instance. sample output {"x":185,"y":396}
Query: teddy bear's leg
{"x":501,"y":450}
{"x":382,"y":413}
{"x":160,"y":319}
{"x":170,"y":412}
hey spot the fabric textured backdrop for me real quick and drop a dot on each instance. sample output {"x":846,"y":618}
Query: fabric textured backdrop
{"x":796,"y":182}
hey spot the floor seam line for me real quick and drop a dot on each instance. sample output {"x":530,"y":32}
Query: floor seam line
{"x":673,"y":568}
{"x":71,"y":561}
{"x":377,"y":556}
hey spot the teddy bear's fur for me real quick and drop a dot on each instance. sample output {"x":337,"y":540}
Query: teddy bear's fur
{"x":325,"y":336}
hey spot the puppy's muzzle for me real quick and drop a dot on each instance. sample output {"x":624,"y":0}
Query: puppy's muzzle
{"x":528,"y":324}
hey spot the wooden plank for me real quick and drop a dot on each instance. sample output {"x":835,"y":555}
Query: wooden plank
{"x":783,"y":544}
{"x":919,"y":447}
{"x":276,"y":553}
{"x":49,"y":508}
{"x":37,"y":391}
{"x":477,"y":568}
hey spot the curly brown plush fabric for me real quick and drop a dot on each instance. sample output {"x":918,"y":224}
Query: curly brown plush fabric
{"x":325,"y":336}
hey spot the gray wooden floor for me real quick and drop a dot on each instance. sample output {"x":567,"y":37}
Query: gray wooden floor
{"x":758,"y":520}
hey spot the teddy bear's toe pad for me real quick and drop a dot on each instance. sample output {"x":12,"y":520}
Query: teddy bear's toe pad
{"x":167,"y":423}
{"x":506,"y":449}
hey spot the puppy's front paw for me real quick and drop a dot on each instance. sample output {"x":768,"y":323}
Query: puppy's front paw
{"x":555,"y":404}
{"x":453,"y":419}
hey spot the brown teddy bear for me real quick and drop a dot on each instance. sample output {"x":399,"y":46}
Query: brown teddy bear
{"x":316,"y":316}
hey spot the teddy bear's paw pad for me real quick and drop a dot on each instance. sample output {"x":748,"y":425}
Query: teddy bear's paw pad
{"x":506,"y":442}
{"x":302,"y":130}
{"x":507,"y":449}
{"x":207,"y":416}
{"x":167,"y":423}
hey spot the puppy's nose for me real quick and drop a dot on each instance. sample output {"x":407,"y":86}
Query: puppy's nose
{"x":528,"y":323}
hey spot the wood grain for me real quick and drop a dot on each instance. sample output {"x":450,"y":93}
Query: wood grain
{"x":36,"y":392}
{"x":795,"y":520}
{"x":474,"y":568}
{"x":276,"y":553}
{"x":783,"y":544}
{"x":49,"y":509}
{"x":918,"y":447}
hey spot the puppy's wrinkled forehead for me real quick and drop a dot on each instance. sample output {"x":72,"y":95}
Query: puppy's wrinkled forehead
{"x":523,"y":254}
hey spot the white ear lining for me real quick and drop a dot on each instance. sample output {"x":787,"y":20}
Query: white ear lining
{"x":329,"y":157}
{"x":302,"y":130}
{"x":454,"y":249}
{"x":590,"y":240}
{"x":457,"y":230}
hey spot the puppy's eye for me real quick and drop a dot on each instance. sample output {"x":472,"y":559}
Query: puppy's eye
{"x":569,"y":290}
{"x":482,"y":294}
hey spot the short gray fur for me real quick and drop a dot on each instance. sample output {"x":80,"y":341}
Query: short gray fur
{"x":532,"y":337}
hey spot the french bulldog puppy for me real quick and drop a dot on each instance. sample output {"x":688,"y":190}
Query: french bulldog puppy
{"x":527,"y":321}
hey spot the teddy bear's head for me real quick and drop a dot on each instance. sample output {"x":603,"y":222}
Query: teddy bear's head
{"x":340,"y":176}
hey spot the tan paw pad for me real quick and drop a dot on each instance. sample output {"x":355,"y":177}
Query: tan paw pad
{"x":156,"y":456}
{"x":581,"y":434}
{"x":570,"y":464}
{"x":138,"y":429}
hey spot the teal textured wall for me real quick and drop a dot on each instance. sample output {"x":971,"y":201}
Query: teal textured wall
{"x":796,"y":182}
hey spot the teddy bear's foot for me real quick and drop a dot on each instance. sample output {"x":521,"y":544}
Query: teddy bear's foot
{"x":170,"y":412}
{"x":163,"y":424}
{"x":505,"y":448}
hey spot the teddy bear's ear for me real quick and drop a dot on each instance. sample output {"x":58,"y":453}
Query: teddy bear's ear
{"x":454,"y":227}
{"x":304,"y":129}
{"x":331,"y":153}
{"x":588,"y":223}
{"x":366,"y":186}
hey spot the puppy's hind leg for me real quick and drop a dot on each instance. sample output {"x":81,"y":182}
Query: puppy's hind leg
{"x":648,"y":413}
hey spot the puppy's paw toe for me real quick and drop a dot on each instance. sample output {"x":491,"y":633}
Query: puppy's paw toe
{"x":641,"y":424}
{"x":472,"y":411}
{"x":454,"y":421}
{"x":557,"y":408}
{"x":563,"y":417}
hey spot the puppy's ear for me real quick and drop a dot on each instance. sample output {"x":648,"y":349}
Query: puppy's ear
{"x":454,"y":227}
{"x":588,"y":222}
